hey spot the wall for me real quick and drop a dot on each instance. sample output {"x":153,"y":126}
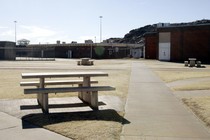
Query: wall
{"x":189,"y":41}
{"x":151,"y":43}
{"x":7,"y":50}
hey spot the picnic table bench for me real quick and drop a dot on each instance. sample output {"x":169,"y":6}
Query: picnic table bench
{"x":86,"y":92}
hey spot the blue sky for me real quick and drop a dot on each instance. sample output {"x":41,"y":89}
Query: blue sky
{"x":46,"y":21}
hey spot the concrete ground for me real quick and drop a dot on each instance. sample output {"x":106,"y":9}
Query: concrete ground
{"x":155,"y":113}
{"x":11,"y":128}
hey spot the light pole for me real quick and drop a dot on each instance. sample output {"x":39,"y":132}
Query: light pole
{"x":101,"y":28}
{"x":15,"y":33}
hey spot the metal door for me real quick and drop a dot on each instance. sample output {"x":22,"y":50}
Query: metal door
{"x":164,"y":51}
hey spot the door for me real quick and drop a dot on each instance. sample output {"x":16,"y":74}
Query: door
{"x":164,"y":51}
{"x":69,"y":53}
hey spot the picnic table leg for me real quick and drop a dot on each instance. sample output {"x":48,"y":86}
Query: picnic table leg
{"x":80,"y":93}
{"x":94,"y":100}
{"x":39,"y":96}
{"x":43,"y":98}
{"x":86,"y":95}
{"x":45,"y":103}
{"x":192,"y":63}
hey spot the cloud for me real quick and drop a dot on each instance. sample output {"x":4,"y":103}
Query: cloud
{"x":8,"y":33}
{"x":2,"y":27}
{"x":35,"y":32}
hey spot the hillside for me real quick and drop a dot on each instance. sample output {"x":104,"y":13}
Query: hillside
{"x":135,"y":35}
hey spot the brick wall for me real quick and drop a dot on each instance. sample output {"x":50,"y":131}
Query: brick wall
{"x":189,"y":41}
{"x":151,"y":46}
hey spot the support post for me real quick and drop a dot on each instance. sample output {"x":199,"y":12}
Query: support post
{"x":86,"y":95}
{"x":43,"y":98}
{"x":94,"y":100}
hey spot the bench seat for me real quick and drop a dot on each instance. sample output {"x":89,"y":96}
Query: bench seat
{"x":57,"y":82}
{"x":67,"y":89}
{"x":92,"y":99}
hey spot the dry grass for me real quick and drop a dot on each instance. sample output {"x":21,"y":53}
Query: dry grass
{"x":169,"y":76}
{"x":201,"y":107}
{"x":90,"y":125}
{"x":119,"y":74}
{"x":194,"y":86}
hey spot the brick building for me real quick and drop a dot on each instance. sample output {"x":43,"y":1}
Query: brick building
{"x":178,"y":43}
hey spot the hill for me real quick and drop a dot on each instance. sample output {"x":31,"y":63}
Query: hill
{"x":135,"y":35}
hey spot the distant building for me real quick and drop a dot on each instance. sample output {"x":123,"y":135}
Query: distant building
{"x":7,"y":50}
{"x":89,"y":41}
{"x":23,"y":42}
{"x":74,"y":42}
{"x":178,"y":43}
{"x":91,"y":50}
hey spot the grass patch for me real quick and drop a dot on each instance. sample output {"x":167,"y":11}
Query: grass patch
{"x":201,"y":107}
{"x":194,"y":86}
{"x":10,"y":88}
{"x":170,"y":76}
{"x":90,"y":125}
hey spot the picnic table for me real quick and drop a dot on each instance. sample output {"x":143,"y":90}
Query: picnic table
{"x":192,"y":62}
{"x":85,"y":61}
{"x":87,"y":93}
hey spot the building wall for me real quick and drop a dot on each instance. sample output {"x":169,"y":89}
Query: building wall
{"x":177,"y":45}
{"x":7,"y":50}
{"x":151,"y":46}
{"x":91,"y":51}
{"x":196,"y":43}
{"x":192,"y":41}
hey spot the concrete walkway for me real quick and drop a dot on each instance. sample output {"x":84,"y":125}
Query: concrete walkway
{"x":155,"y":113}
{"x":11,"y":128}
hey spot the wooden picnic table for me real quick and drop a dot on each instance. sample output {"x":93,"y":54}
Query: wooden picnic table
{"x":86,"y":76}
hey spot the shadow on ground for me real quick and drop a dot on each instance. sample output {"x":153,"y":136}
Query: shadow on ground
{"x":42,"y":120}
{"x":72,"y":105}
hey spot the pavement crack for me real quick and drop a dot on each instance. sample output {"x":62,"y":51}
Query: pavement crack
{"x":8,"y":128}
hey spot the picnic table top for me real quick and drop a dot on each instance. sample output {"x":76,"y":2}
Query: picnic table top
{"x":63,"y":74}
{"x":193,"y":59}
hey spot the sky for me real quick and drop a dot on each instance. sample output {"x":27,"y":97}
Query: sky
{"x":46,"y":21}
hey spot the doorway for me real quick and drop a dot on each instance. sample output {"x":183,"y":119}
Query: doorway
{"x":164,"y":51}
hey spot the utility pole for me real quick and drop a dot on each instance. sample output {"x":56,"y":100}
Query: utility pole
{"x":15,"y":33}
{"x":100,"y":28}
